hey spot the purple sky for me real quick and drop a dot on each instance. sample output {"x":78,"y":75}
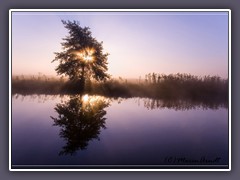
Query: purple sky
{"x":138,"y":42}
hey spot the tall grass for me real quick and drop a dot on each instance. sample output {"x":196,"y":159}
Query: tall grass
{"x":173,"y":86}
{"x":40,"y":84}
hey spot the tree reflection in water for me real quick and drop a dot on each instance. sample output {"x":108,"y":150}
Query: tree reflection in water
{"x":81,"y":119}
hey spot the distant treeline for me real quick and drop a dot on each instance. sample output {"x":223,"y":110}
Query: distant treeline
{"x":173,"y":86}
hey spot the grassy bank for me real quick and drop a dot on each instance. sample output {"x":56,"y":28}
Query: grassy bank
{"x":173,"y":86}
{"x":37,"y":85}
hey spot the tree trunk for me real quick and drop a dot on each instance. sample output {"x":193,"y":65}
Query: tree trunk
{"x":82,"y":79}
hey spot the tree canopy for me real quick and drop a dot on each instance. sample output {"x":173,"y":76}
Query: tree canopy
{"x":82,"y":56}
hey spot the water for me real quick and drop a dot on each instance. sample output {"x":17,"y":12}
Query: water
{"x":94,"y":130}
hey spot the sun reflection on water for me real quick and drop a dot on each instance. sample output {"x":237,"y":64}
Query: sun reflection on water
{"x":92,"y":100}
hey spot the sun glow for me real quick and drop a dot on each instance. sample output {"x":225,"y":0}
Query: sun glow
{"x":85,"y":98}
{"x":92,"y":100}
{"x":86,"y":55}
{"x":88,"y":58}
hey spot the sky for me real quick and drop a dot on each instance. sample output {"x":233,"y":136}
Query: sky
{"x":138,"y":42}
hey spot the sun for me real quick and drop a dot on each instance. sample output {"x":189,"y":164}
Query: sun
{"x":86,"y":55}
{"x":85,"y":98}
{"x":88,"y":58}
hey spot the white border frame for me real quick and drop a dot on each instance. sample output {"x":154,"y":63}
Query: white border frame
{"x":118,"y":10}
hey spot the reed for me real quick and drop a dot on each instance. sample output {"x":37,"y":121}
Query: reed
{"x":173,"y":86}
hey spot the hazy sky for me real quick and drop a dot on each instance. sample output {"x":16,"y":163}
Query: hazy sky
{"x":138,"y":42}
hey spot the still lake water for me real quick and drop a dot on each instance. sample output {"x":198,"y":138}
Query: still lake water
{"x":93,"y":130}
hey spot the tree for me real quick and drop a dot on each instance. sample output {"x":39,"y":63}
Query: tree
{"x":82,"y":56}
